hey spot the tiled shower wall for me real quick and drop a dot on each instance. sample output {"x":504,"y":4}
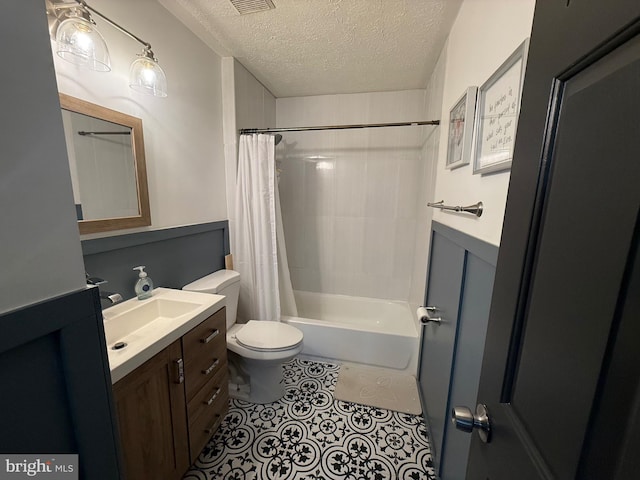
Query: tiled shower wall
{"x":350,"y":197}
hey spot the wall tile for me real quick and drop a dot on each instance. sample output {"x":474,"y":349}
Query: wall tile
{"x":348,"y":242}
{"x":352,"y":109}
{"x":408,"y":186}
{"x":305,"y":279}
{"x":343,"y":284}
{"x":351,"y":177}
{"x":269,"y":103}
{"x":292,"y":185}
{"x":354,"y":224}
{"x":295,"y":238}
{"x":319,"y":184}
{"x":396,"y":289}
{"x":319,"y":110}
{"x":318,"y":242}
{"x":380,"y":185}
{"x":403,"y":248}
{"x":377,"y":252}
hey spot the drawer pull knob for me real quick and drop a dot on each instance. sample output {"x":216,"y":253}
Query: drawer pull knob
{"x":213,"y":397}
{"x":211,"y":368}
{"x":215,"y":425}
{"x":210,"y":337}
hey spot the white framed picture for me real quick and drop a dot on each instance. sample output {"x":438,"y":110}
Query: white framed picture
{"x":460,"y":137}
{"x":497,"y":114}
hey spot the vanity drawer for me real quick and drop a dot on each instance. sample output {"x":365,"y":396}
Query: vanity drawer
{"x":207,"y":397}
{"x":205,"y":352}
{"x":203,"y":426}
{"x":208,"y":334}
{"x":202,"y":368}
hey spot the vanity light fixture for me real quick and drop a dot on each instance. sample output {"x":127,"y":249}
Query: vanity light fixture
{"x":146,"y":76}
{"x":79,"y":42}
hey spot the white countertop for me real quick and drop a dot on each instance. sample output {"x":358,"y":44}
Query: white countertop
{"x":150,"y":339}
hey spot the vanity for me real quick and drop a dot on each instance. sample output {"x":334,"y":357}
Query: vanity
{"x":167,"y":354}
{"x":170,"y":379}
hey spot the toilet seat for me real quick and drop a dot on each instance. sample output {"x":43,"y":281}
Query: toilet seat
{"x":268,"y":336}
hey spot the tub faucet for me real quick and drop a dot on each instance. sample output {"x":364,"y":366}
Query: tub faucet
{"x":112,"y":297}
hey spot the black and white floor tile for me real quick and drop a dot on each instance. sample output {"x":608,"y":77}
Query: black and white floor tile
{"x":308,"y":435}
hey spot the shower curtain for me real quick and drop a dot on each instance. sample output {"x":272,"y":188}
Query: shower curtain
{"x":259,"y":250}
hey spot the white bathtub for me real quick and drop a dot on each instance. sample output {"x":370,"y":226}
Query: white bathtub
{"x":357,"y":329}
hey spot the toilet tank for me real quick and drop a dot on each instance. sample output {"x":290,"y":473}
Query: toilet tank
{"x":222,"y":282}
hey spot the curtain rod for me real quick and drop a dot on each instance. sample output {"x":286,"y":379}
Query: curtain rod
{"x":336,"y":127}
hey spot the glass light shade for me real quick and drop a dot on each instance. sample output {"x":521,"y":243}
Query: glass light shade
{"x":146,"y":76}
{"x":79,"y":42}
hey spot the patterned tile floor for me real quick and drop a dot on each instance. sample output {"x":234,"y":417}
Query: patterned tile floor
{"x":309,"y":435}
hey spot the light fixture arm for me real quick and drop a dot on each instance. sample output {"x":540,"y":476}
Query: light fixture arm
{"x":82,"y":3}
{"x":147,"y":45}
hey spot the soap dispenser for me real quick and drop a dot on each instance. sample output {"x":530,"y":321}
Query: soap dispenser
{"x":144,"y":285}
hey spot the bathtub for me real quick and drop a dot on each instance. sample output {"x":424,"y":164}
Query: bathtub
{"x":357,"y":329}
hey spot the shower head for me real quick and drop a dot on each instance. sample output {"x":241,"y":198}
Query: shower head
{"x":278,"y":138}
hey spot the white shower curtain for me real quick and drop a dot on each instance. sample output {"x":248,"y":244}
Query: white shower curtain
{"x":259,"y":253}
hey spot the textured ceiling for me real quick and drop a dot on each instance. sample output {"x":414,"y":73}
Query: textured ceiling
{"x":316,"y":47}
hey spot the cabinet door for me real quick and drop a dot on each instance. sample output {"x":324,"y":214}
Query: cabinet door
{"x":150,"y":404}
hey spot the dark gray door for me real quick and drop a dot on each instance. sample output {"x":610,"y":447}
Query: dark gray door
{"x":559,"y":374}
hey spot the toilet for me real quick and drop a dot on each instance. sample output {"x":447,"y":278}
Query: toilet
{"x":256,"y":349}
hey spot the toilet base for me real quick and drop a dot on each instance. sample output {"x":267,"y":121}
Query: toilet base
{"x":265,"y":380}
{"x":239,"y":392}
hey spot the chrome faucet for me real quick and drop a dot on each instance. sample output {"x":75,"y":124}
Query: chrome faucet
{"x":112,"y":297}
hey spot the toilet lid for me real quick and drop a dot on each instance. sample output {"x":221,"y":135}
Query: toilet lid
{"x":266,"y":335}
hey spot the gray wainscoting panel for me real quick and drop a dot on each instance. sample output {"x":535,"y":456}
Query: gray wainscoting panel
{"x":465,"y":376}
{"x":460,"y":283}
{"x":173,"y":257}
{"x":438,"y":339}
{"x":56,"y":387}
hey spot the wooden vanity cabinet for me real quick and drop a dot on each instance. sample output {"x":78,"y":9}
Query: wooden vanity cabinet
{"x":166,"y":419}
{"x":152,"y":419}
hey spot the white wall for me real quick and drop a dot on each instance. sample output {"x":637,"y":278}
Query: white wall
{"x":183,"y":132}
{"x":40,"y":254}
{"x":247,"y":104}
{"x":255,"y":104}
{"x":484,"y":34}
{"x":424,"y":214}
{"x":350,"y":197}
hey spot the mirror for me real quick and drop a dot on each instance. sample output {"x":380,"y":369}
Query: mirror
{"x":107,"y":164}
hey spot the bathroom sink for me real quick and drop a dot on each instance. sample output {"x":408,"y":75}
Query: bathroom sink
{"x":136,"y":330}
{"x":141,"y":314}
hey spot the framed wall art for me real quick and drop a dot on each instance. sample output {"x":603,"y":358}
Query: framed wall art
{"x":461,"y":121}
{"x":497,"y":114}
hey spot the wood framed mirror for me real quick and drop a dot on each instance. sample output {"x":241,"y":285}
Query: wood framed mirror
{"x":107,"y":164}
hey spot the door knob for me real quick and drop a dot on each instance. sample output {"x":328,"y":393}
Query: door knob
{"x":466,"y":421}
